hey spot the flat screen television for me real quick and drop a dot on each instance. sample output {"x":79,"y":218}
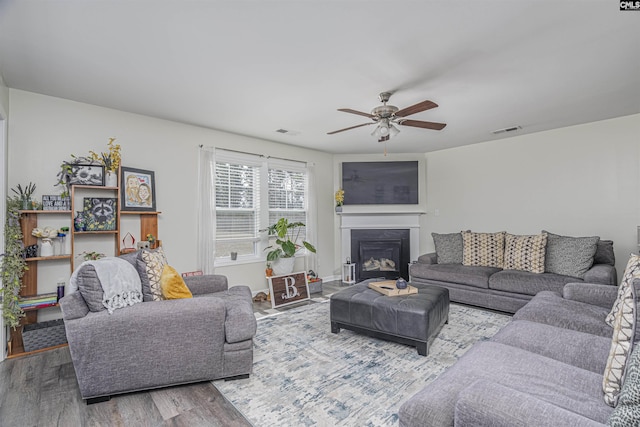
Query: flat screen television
{"x":380,"y":183}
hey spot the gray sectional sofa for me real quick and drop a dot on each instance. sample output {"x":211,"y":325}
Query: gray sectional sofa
{"x":545,"y":368}
{"x":155,"y":344}
{"x":508,"y":289}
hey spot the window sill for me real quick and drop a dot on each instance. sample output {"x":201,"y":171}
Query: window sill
{"x":226,"y":262}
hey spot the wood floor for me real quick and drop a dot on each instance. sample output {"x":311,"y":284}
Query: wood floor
{"x":41,"y":390}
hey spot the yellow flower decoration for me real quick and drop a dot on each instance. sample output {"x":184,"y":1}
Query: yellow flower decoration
{"x":110,"y":160}
{"x":339,"y":197}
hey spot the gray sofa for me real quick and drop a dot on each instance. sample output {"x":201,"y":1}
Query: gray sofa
{"x":504,"y":290}
{"x":545,"y":368}
{"x":161,"y":343}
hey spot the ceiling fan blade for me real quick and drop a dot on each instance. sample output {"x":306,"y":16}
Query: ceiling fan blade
{"x":421,"y":124}
{"x":352,"y":127}
{"x":421,"y":106}
{"x":360,"y":113}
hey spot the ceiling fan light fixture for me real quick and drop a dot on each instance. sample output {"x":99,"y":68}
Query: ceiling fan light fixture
{"x":385,"y":130}
{"x":376,"y":133}
{"x":393,"y":131}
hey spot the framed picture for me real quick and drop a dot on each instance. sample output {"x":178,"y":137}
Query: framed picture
{"x":288,"y":289}
{"x":99,"y":213}
{"x":138,"y":192}
{"x":87,"y":175}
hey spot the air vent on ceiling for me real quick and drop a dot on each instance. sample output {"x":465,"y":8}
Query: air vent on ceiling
{"x":511,"y":129}
{"x":288,"y":132}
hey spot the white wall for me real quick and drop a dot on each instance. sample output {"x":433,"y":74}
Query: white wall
{"x":44,"y":131}
{"x":580,"y":180}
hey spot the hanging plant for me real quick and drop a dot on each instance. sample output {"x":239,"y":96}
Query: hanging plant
{"x":13,"y":264}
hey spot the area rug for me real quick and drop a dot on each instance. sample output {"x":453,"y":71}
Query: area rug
{"x":304,"y":375}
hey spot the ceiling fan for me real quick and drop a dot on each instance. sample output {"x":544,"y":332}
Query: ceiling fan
{"x":387,"y":116}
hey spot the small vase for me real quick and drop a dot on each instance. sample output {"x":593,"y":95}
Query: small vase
{"x":401,"y":283}
{"x":339,"y":208}
{"x":46,"y":249}
{"x":65,"y":244}
{"x":26,"y":204}
{"x":78,"y":222}
{"x":111,"y":179}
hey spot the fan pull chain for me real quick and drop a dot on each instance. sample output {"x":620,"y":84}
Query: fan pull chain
{"x":385,"y":149}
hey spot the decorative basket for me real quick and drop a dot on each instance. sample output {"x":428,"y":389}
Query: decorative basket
{"x":43,"y":335}
{"x":315,"y":286}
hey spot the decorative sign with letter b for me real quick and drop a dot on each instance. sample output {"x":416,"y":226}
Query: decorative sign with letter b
{"x":288,"y":289}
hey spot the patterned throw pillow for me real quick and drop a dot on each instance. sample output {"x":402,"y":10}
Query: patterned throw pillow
{"x":632,"y":271}
{"x":621,"y":346}
{"x":448,"y":247}
{"x":155,"y":262}
{"x":570,"y":256}
{"x":525,"y":253}
{"x":483,"y":249}
{"x":627,"y":412}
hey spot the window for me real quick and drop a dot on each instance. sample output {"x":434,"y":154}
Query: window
{"x":242,"y":181}
{"x":237,"y":208}
{"x":287,"y":195}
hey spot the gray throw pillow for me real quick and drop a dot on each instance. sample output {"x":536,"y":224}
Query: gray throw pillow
{"x":604,"y":253}
{"x":627,"y":412}
{"x":448,"y":247}
{"x":135,"y":259}
{"x":569,"y":256}
{"x":90,"y":288}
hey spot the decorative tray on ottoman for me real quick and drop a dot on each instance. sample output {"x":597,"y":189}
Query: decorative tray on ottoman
{"x":388,"y":288}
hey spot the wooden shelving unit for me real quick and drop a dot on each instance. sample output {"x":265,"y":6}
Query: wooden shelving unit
{"x":29,"y":221}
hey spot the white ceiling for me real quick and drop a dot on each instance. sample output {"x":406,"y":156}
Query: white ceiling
{"x":252,"y":67}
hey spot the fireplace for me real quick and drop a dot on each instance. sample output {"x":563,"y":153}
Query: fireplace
{"x":381,"y":253}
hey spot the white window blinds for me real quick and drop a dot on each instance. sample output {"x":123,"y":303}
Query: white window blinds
{"x":237,"y":205}
{"x":288,"y":192}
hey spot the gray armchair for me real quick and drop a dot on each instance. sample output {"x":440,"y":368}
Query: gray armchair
{"x":162,"y":343}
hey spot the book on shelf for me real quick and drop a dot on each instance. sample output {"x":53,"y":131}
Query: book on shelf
{"x":39,"y":306}
{"x":39,"y":297}
{"x":38,"y":301}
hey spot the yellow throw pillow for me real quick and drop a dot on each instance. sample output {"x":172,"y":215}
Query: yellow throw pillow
{"x":172,"y":284}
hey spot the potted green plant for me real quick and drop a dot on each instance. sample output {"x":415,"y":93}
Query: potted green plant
{"x":25,"y":195}
{"x":286,"y":245}
{"x":92,"y":256}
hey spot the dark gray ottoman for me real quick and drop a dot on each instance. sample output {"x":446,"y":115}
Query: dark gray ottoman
{"x":410,"y":319}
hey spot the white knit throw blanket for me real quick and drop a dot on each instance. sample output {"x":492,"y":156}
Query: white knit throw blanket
{"x":119,"y":280}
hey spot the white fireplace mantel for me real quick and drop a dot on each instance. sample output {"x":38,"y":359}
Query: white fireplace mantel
{"x":382,"y":221}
